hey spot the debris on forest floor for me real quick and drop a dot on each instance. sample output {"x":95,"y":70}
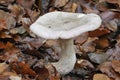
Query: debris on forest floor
{"x":24,"y":56}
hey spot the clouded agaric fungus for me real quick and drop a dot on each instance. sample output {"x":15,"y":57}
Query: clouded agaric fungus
{"x":65,"y":26}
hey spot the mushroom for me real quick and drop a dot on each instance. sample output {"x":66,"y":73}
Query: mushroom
{"x":64,"y":26}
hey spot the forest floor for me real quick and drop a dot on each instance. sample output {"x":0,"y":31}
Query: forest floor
{"x":24,"y":56}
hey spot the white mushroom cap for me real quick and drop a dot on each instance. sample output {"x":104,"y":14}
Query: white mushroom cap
{"x":64,"y":25}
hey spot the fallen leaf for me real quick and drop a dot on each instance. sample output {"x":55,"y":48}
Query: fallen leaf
{"x":2,"y":45}
{"x":11,"y":49}
{"x":9,"y":73}
{"x":102,"y":43}
{"x":26,"y":3}
{"x":22,"y":68}
{"x":116,"y":65}
{"x":18,"y":30}
{"x":74,"y":7}
{"x":112,"y":25}
{"x":98,"y":57}
{"x":100,"y":77}
{"x":89,"y":45}
{"x":114,"y":2}
{"x":3,"y":24}
{"x":109,"y":15}
{"x":59,"y":3}
{"x":106,"y":68}
{"x":43,"y":73}
{"x":89,"y":8}
{"x":5,"y":35}
{"x":4,"y":77}
{"x":3,"y":67}
{"x":81,"y":39}
{"x":10,"y":20}
{"x":68,"y":7}
{"x":99,"y":32}
{"x":34,"y":42}
{"x":114,"y":53}
{"x":102,"y":6}
{"x":15,"y":10}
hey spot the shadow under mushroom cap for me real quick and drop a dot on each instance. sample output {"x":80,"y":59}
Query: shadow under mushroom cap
{"x":64,"y":25}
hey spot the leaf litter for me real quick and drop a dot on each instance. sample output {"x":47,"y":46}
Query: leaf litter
{"x":24,"y":56}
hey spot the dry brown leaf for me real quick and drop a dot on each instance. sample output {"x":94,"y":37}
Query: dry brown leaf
{"x":4,"y":77}
{"x":6,"y":1}
{"x":15,"y":10}
{"x":43,"y":73}
{"x":109,"y":15}
{"x":3,"y":24}
{"x":8,"y":73}
{"x":53,"y":74}
{"x":102,"y":6}
{"x":114,"y":53}
{"x":89,"y":7}
{"x":22,"y":68}
{"x":34,"y":42}
{"x":60,"y":3}
{"x":116,"y":65}
{"x":89,"y":45}
{"x":112,"y":25}
{"x":106,"y":68}
{"x":2,"y":45}
{"x":17,"y":38}
{"x":3,"y":67}
{"x":5,"y":35}
{"x":10,"y":20}
{"x":68,"y":7}
{"x":99,"y":32}
{"x":81,"y":39}
{"x":102,"y":43}
{"x":100,"y":77}
{"x":11,"y":49}
{"x":26,"y":3}
{"x":74,"y":7}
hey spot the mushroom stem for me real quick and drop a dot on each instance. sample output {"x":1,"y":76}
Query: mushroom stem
{"x":67,"y":56}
